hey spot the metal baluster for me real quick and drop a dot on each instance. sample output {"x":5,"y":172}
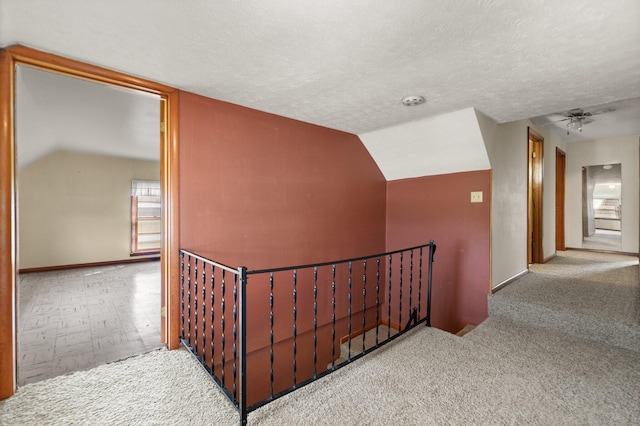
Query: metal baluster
{"x":235,"y":335}
{"x":271,"y":330}
{"x":389,"y":295}
{"x":350,"y":281}
{"x":182,"y":294}
{"x":411,"y":282}
{"x":295,"y":324}
{"x":204,"y":312}
{"x":213,"y":324}
{"x":315,"y":322}
{"x":333,"y":315}
{"x":195,"y":306}
{"x":242,"y":324}
{"x":420,"y":284}
{"x":222,"y":339}
{"x":432,"y":252}
{"x":189,"y":302}
{"x":400,"y":292}
{"x":364,"y":302}
{"x":377,"y":298}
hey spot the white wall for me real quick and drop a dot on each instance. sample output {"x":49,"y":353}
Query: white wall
{"x":507,"y":146}
{"x":508,"y":154}
{"x":623,"y":150}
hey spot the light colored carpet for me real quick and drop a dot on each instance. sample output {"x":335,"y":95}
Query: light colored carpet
{"x":591,"y":295}
{"x":500,"y":373}
{"x":157,"y":388}
{"x":504,"y":372}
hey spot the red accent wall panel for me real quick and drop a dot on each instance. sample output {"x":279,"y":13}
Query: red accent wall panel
{"x":439,"y":208}
{"x":265,"y":191}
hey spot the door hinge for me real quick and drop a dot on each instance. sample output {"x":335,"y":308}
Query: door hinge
{"x":163,"y":126}
{"x":163,"y":312}
{"x":533,"y":154}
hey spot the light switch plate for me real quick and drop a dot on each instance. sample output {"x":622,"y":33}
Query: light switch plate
{"x":476,"y":196}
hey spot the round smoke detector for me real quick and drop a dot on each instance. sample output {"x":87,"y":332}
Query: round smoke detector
{"x":413,"y":100}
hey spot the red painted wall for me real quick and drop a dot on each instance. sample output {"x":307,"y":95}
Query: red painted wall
{"x":265,"y":191}
{"x":439,"y":208}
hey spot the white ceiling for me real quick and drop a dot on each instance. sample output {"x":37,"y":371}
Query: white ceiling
{"x":342,"y":65}
{"x":347,"y":64}
{"x":620,"y":118}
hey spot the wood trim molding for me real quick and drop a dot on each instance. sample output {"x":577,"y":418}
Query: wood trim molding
{"x":88,"y":265}
{"x":19,"y":55}
{"x":505,"y":283}
{"x":8,"y":351}
{"x":535,"y":170}
{"x":561,"y":167}
{"x":47,"y":61}
{"x":623,"y":253}
{"x":171,"y":230}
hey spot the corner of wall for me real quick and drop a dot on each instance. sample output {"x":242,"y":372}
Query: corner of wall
{"x":487,"y":128}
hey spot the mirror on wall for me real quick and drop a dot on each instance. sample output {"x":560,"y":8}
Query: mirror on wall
{"x":602,"y":207}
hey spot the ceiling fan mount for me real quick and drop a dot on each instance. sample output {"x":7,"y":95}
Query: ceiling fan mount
{"x":578,"y":117}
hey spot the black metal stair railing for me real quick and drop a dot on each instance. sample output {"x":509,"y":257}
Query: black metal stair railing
{"x":290,"y":326}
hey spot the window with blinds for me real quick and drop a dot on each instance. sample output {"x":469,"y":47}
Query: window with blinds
{"x":145,"y":217}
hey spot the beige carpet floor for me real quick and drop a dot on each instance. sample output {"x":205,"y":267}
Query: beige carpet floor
{"x":588,"y":294}
{"x":504,"y":372}
{"x":500,"y":374}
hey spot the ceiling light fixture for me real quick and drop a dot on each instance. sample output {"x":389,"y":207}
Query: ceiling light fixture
{"x":607,"y":167}
{"x":574,"y":123}
{"x":413,"y":100}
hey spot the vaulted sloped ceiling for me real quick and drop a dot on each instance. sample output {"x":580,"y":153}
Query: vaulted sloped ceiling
{"x":448,"y":143}
{"x":56,"y":112}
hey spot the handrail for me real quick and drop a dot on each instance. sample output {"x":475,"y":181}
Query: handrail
{"x":353,"y":259}
{"x":208,"y":288}
{"x":217,"y":264}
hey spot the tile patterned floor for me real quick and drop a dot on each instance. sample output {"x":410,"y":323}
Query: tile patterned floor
{"x":80,"y":318}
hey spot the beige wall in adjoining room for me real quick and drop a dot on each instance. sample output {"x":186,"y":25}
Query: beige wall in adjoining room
{"x":75,"y":208}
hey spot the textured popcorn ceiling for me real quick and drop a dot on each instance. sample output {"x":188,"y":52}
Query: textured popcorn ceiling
{"x":347,"y":64}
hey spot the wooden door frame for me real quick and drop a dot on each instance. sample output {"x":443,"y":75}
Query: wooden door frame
{"x":535,"y":154}
{"x":583,"y":205}
{"x":561,"y":167}
{"x":10,"y":58}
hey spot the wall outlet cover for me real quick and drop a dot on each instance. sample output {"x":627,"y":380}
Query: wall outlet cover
{"x":476,"y":196}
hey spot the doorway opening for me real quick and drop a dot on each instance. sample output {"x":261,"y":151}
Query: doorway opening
{"x":561,"y":165}
{"x":602,"y":207}
{"x":535,"y":169}
{"x":82,"y":300}
{"x":10,"y":59}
